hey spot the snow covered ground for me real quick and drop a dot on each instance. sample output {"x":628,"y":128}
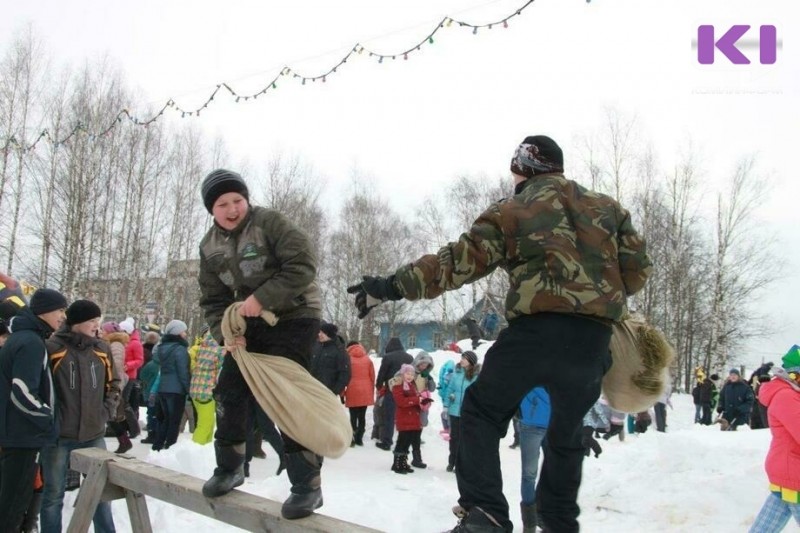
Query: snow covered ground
{"x":691,"y":478}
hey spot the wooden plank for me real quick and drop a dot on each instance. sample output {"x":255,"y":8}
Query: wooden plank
{"x":90,"y":493}
{"x":137,"y":509}
{"x":237,"y":508}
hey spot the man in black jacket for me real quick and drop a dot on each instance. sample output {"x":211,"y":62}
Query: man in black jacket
{"x":394,"y":357}
{"x":735,"y":401}
{"x":330,"y":363}
{"x":27,"y":421}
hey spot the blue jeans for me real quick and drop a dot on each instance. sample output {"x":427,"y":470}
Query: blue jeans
{"x":54,"y":471}
{"x":775,"y":514}
{"x":530,"y":441}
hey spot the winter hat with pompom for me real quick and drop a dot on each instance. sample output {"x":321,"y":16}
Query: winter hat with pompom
{"x":127,"y":325}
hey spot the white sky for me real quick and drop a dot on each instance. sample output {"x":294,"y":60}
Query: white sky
{"x":462,"y":104}
{"x":691,"y":478}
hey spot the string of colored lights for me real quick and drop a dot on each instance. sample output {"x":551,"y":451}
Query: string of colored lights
{"x":357,"y":49}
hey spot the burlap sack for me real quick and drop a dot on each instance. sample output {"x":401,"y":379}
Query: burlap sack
{"x":640,"y":370}
{"x":300,"y":405}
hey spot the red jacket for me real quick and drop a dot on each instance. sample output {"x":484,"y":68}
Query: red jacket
{"x":360,"y":392}
{"x":134,"y":355}
{"x":408,"y":410}
{"x":783,"y":458}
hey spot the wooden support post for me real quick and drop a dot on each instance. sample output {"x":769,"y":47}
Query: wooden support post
{"x":89,"y":496}
{"x":137,"y":509}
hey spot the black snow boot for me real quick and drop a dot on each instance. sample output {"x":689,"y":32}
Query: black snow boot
{"x":359,"y":437}
{"x":477,"y":521}
{"x":397,"y":465}
{"x":416,"y":462}
{"x":528,"y":512}
{"x":229,"y":473}
{"x":304,"y":473}
{"x":404,"y":464}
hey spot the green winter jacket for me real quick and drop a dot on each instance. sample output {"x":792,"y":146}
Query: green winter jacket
{"x":266,"y":255}
{"x":566,"y":250}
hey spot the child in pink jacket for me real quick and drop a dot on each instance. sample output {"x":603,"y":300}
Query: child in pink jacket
{"x":781,"y":396}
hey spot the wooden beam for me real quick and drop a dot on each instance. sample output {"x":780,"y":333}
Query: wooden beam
{"x":237,"y":508}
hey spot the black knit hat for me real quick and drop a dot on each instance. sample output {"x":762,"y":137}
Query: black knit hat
{"x":470,"y":356}
{"x":329,"y":329}
{"x":537,"y":154}
{"x":46,"y":300}
{"x":82,"y":311}
{"x":219,"y":182}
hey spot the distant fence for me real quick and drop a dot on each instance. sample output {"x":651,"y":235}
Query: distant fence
{"x":111,"y":477}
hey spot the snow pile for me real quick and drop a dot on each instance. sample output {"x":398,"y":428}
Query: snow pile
{"x":691,"y":478}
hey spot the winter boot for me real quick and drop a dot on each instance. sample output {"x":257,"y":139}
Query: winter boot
{"x":304,"y":473}
{"x":359,"y":437}
{"x":124,"y":443}
{"x":528,"y":512}
{"x":404,"y":464}
{"x":31,"y":522}
{"x":397,"y":465}
{"x":229,"y":472}
{"x":477,"y":521}
{"x":416,"y":462}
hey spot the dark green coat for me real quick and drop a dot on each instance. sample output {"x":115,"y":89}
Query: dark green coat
{"x":566,"y":250}
{"x":268,"y":256}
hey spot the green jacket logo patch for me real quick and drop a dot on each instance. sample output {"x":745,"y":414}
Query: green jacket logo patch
{"x":250,"y":251}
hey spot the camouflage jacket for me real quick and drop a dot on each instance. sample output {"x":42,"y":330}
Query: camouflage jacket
{"x":566,"y":250}
{"x":268,"y":256}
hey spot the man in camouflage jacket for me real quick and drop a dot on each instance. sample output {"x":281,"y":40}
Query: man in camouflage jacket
{"x":573,"y":258}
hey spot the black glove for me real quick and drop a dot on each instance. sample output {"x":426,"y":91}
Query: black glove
{"x":426,"y":401}
{"x":372,"y":291}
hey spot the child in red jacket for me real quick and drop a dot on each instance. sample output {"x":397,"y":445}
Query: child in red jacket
{"x":407,"y":418}
{"x":782,"y":397}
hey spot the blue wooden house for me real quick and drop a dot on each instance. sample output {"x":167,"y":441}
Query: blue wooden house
{"x":429,"y":335}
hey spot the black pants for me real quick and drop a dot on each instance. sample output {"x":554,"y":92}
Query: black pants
{"x":661,"y":416}
{"x":406,"y":440}
{"x":455,"y":439}
{"x":292,"y":339}
{"x":358,"y":421}
{"x":17,"y":472}
{"x":263,"y":429}
{"x":387,"y":424}
{"x":568,"y":355}
{"x":706,"y":417}
{"x":171,"y":406}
